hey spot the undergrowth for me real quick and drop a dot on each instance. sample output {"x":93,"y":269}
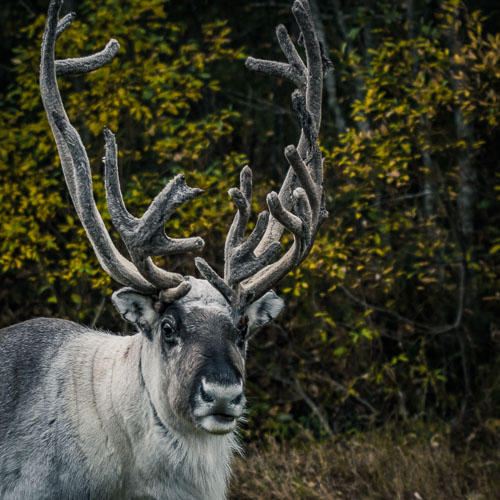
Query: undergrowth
{"x":400,"y":464}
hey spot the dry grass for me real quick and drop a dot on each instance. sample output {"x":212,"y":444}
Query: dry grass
{"x":375,"y":466}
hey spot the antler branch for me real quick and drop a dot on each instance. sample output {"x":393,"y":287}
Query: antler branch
{"x":144,"y":237}
{"x":299,"y":206}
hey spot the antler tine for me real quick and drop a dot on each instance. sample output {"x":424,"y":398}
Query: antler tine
{"x":145,"y":237}
{"x":314,"y":61}
{"x":142,"y":274}
{"x":64,"y":23}
{"x":299,"y":205}
{"x":240,"y":261}
{"x":78,"y":65}
{"x":300,"y":226}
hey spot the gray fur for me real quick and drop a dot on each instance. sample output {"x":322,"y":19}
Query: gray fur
{"x":89,"y":414}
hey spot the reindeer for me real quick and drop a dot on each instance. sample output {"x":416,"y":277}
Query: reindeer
{"x":89,"y":414}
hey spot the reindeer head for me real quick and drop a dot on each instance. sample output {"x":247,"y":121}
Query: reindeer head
{"x":196,"y":331}
{"x":194,"y":354}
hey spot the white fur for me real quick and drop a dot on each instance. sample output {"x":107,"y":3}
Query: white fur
{"x":121,"y":439}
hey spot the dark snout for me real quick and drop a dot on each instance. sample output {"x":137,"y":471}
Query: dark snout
{"x":219,"y":399}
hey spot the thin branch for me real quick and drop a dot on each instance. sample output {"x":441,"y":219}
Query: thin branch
{"x":429,"y":329}
{"x":341,"y":387}
{"x":297,"y":387}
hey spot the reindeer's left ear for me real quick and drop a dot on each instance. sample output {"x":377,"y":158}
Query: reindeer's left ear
{"x":262,"y":311}
{"x":136,"y":308}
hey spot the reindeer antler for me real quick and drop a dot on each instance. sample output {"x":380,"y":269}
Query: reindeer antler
{"x":247,"y":272}
{"x":144,"y":237}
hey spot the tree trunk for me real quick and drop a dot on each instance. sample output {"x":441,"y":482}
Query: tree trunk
{"x":332,"y":101}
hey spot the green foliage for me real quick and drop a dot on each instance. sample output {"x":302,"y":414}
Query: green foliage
{"x":394,"y":311}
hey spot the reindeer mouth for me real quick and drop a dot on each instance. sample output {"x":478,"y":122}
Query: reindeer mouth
{"x":218,"y":423}
{"x":223,"y":417}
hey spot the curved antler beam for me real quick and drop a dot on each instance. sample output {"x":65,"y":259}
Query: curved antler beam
{"x":143,"y":237}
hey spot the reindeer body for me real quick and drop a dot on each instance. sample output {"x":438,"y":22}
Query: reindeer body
{"x":91,"y":415}
{"x":78,"y":420}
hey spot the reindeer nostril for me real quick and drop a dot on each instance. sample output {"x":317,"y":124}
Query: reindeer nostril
{"x":206,"y":397}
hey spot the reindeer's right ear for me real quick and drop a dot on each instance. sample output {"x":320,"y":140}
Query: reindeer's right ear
{"x":137,"y":308}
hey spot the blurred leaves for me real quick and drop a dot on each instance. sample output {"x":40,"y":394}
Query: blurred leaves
{"x":396,"y":319}
{"x":395,"y":312}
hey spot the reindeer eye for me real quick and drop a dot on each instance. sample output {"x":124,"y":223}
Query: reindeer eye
{"x":167,"y":327}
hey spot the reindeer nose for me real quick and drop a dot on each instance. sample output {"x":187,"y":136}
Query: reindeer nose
{"x":205,"y":396}
{"x":221,"y":395}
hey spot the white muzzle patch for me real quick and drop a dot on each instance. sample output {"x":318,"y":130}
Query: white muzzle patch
{"x":218,"y":407}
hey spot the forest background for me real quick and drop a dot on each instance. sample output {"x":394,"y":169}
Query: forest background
{"x":381,"y":379}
